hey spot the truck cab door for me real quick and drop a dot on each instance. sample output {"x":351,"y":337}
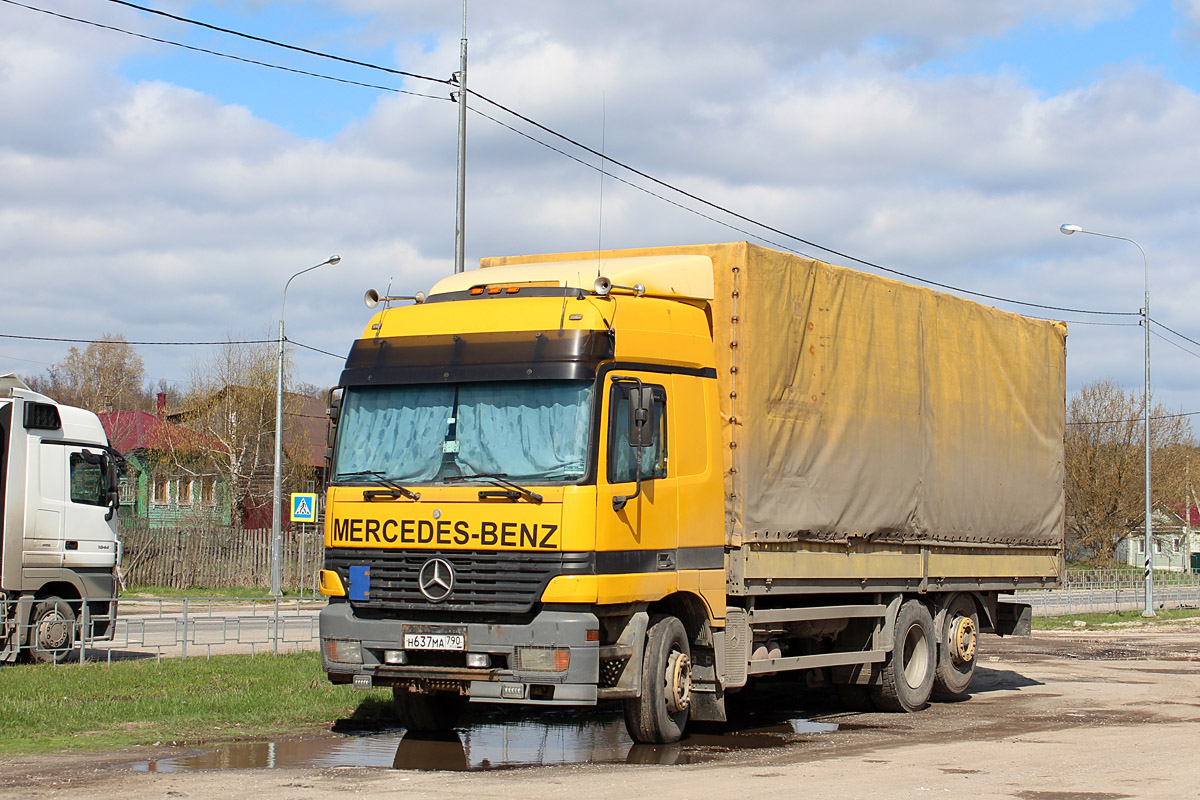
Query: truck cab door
{"x":637,"y":531}
{"x":69,"y":509}
{"x":89,"y":529}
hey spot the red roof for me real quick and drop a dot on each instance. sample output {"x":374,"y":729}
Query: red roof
{"x":140,"y":430}
{"x":1193,"y":514}
{"x":304,"y":429}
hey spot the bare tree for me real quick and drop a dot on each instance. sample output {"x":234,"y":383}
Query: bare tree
{"x":172,"y":395}
{"x":233,"y":401}
{"x":105,"y":376}
{"x":1105,"y":465}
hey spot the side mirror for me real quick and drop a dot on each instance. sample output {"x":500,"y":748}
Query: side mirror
{"x":334,"y":412}
{"x":641,"y":418}
{"x":112,"y":466}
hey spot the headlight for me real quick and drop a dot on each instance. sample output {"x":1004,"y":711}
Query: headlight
{"x":343,"y":651}
{"x":543,"y":659}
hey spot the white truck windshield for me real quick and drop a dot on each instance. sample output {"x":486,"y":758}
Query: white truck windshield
{"x":522,"y":430}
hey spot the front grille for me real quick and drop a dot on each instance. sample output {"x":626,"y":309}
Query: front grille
{"x":502,"y":582}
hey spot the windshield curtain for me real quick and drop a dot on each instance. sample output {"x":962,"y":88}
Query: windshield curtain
{"x":423,"y":433}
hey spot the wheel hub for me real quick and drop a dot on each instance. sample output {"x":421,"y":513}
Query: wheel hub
{"x":53,"y":632}
{"x":963,"y":638}
{"x":679,"y":682}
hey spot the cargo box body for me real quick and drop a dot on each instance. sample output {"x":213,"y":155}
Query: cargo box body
{"x":859,"y":410}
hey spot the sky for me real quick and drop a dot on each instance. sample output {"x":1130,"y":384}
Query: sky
{"x":168,"y":195}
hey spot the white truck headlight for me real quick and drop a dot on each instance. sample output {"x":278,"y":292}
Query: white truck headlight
{"x":343,"y":651}
{"x":543,"y":659}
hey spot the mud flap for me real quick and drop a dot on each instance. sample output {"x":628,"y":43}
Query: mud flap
{"x":1013,"y":618}
{"x":708,"y":706}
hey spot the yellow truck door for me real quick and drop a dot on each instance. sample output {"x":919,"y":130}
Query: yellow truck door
{"x":637,"y":533}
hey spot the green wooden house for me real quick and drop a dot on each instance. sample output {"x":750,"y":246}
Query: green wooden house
{"x":171,"y":480}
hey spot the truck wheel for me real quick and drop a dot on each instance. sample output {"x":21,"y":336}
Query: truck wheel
{"x":51,"y":631}
{"x":426,"y":713}
{"x":907,"y":677}
{"x":958,"y":646}
{"x":660,"y":714}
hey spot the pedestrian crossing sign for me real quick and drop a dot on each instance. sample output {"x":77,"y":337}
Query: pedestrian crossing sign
{"x":304,"y":507}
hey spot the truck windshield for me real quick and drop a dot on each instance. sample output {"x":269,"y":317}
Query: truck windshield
{"x":424,"y":433}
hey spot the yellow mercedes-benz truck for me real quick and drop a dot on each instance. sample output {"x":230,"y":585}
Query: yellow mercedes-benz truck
{"x":650,"y":476}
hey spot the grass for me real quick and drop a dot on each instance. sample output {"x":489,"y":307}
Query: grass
{"x":1116,"y":617}
{"x":125,"y":704}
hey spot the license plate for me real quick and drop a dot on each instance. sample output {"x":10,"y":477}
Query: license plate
{"x":435,"y":641}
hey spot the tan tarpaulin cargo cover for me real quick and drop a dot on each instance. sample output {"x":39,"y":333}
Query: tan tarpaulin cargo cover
{"x":859,"y":407}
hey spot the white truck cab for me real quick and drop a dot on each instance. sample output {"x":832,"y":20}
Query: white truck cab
{"x":59,"y":549}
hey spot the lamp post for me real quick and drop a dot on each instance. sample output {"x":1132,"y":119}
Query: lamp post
{"x":277,"y":486}
{"x":460,"y":206}
{"x":1148,"y":611}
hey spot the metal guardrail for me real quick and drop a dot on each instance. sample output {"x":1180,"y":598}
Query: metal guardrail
{"x":190,"y":627}
{"x":1105,"y":591}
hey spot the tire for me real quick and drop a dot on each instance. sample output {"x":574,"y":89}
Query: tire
{"x":660,"y":714}
{"x":51,"y":631}
{"x":427,"y":713}
{"x":907,"y":676}
{"x":958,"y":646}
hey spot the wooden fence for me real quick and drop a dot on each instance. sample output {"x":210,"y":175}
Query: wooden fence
{"x":190,"y":558}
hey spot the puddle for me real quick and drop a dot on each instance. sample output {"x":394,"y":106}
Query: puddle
{"x":488,"y":745}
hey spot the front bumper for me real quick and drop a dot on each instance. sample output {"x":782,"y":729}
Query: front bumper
{"x":500,"y":683}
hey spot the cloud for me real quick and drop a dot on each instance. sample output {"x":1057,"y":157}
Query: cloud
{"x":1189,"y":11}
{"x":167,"y":214}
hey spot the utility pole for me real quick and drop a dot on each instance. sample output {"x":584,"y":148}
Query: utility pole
{"x":460,"y":230}
{"x":1149,"y":514}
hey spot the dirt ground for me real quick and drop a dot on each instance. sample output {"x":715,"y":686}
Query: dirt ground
{"x":1078,"y":715}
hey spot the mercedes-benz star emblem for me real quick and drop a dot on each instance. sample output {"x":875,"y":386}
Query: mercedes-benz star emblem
{"x":436,"y":579}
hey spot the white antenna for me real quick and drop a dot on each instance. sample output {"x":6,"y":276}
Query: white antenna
{"x":387,"y":303}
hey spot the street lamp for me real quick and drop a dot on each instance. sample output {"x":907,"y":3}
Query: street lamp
{"x":1068,"y":230}
{"x":277,"y":493}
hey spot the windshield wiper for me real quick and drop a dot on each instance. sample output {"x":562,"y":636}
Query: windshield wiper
{"x":498,"y":479}
{"x":393,"y":491}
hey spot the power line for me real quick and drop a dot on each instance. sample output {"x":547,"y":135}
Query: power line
{"x":27,"y":360}
{"x":158,"y":344}
{"x":1177,"y":333}
{"x":305,"y":416}
{"x":314,"y":349}
{"x":220,"y":54}
{"x":122,"y":341}
{"x":1135,"y":419}
{"x":283,"y":45}
{"x":764,"y":226}
{"x":642,"y":189}
{"x":1103,"y":324}
{"x":1158,"y":335}
{"x":563,"y":137}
